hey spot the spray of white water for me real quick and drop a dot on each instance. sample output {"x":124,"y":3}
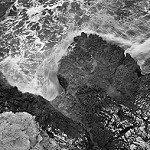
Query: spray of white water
{"x":37,"y":40}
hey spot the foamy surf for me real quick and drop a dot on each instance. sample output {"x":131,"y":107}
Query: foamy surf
{"x":42,"y":42}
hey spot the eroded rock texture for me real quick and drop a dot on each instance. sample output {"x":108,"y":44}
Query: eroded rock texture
{"x":104,"y":104}
{"x":49,"y":119}
{"x":97,"y":64}
{"x":101,"y":93}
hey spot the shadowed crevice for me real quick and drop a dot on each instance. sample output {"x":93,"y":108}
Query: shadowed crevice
{"x":62,"y":81}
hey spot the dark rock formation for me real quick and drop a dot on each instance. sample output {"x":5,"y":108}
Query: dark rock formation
{"x":49,"y":119}
{"x":105,"y":100}
{"x":102,"y":88}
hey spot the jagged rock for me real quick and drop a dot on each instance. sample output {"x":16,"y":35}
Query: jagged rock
{"x":95,"y":94}
{"x":49,"y":119}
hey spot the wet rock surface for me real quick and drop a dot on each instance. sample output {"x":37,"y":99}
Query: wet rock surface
{"x":49,"y":119}
{"x":103,"y":86}
{"x":104,"y":100}
{"x":104,"y":104}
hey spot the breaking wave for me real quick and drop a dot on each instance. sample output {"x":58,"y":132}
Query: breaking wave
{"x":36,"y":38}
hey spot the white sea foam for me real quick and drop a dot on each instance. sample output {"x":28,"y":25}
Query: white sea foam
{"x":39,"y":81}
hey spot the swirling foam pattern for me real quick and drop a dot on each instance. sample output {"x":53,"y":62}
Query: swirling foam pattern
{"x":36,"y":34}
